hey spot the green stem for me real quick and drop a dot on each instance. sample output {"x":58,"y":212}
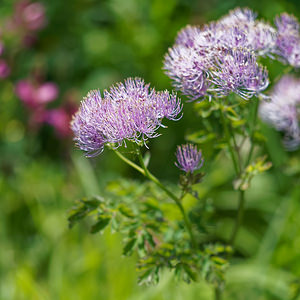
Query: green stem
{"x":254,"y":118}
{"x":144,"y":171}
{"x":238,"y":170}
{"x":237,"y":150}
{"x":169,"y":193}
{"x":129,"y":162}
{"x":239,"y":217}
{"x":217,"y":293}
{"x":241,"y":204}
{"x":227,"y":135}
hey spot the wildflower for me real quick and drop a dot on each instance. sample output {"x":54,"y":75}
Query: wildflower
{"x":221,"y":57}
{"x":59,"y":119}
{"x":130,"y":111}
{"x":238,"y":71}
{"x":238,"y":16}
{"x":262,"y":39}
{"x":46,"y":92}
{"x":188,"y":70}
{"x":257,"y":35}
{"x":288,"y":39}
{"x":29,"y":15}
{"x":186,"y":35}
{"x":287,"y":23}
{"x":189,"y":159}
{"x":282,"y":112}
{"x":219,"y":72}
{"x":34,"y":94}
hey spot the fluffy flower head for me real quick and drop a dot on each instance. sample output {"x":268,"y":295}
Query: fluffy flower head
{"x":288,"y":39}
{"x":131,"y":111}
{"x":282,"y":112}
{"x":221,"y":57}
{"x":189,"y":159}
{"x":237,"y":70}
{"x":239,"y":15}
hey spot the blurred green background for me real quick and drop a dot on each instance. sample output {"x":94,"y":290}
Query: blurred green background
{"x":90,"y":44}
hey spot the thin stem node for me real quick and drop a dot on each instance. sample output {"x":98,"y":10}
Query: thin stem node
{"x":239,"y":217}
{"x":144,"y":171}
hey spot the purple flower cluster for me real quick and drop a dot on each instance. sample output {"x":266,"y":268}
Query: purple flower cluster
{"x":288,"y":39}
{"x":282,"y":112}
{"x":238,"y":72}
{"x":130,"y":111}
{"x":189,"y":159}
{"x":222,"y":56}
{"x":240,"y":28}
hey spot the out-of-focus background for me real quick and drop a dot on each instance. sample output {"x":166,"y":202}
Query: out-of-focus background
{"x":51,"y":54}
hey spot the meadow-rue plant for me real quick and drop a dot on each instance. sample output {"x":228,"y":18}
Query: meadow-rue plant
{"x":221,"y":57}
{"x":218,"y":60}
{"x":288,"y":39}
{"x":282,"y":111}
{"x":189,"y":159}
{"x":126,"y":112}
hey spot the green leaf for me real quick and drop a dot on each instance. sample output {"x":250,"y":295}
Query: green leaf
{"x":141,"y":246}
{"x":127,"y":250}
{"x":82,"y":208}
{"x":93,"y":203}
{"x":100,"y":225}
{"x":259,"y":137}
{"x":145,"y":277}
{"x":146,"y":158}
{"x":205,"y":108}
{"x":76,"y":215}
{"x":115,"y":225}
{"x":219,"y":260}
{"x":201,"y":137}
{"x":126,"y":211}
{"x":192,"y":275}
{"x":149,"y":238}
{"x":259,"y":166}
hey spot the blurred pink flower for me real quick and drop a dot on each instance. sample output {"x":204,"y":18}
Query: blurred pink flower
{"x":34,"y":16}
{"x":46,"y":92}
{"x":28,"y":18}
{"x":60,"y":119}
{"x":34,"y":95}
{"x":4,"y":69}
{"x":25,"y":91}
{"x":30,"y":15}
